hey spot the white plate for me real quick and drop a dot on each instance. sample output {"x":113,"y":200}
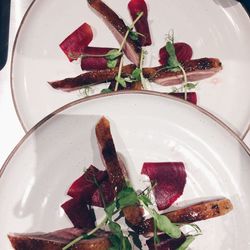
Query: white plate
{"x":212,"y":28}
{"x":145,"y":127}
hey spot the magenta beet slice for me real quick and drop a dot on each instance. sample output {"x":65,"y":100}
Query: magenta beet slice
{"x":183,"y":53}
{"x":107,"y":192}
{"x":166,"y":242}
{"x":84,"y":187}
{"x":135,"y":7}
{"x":90,"y":62}
{"x":191,"y":96}
{"x":76,"y":42}
{"x":170,"y":179}
{"x":80,"y":214}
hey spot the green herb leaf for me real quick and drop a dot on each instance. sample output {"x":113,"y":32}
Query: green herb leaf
{"x":145,"y":199}
{"x":127,"y":197}
{"x":113,"y":54}
{"x":195,"y":227}
{"x":115,"y":241}
{"x":128,"y":79}
{"x":156,"y":238}
{"x":112,"y":63}
{"x":190,"y":85}
{"x":136,"y":74}
{"x":126,"y":245}
{"x":173,"y":63}
{"x":133,"y":35}
{"x":118,"y":239}
{"x":136,"y":239}
{"x":115,"y":228}
{"x":86,"y":236}
{"x":121,"y":81}
{"x":186,"y":243}
{"x":107,"y":90}
{"x":166,"y":226}
{"x":109,"y":209}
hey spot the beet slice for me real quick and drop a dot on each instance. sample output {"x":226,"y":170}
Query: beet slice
{"x":76,"y":42}
{"x":170,"y":179}
{"x":84,"y":187}
{"x":183,"y":53}
{"x":166,"y":242}
{"x":135,"y":7}
{"x":191,"y":96}
{"x":89,"y":60}
{"x":80,"y":214}
{"x":107,"y":192}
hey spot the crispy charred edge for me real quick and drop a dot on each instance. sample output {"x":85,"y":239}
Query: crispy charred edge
{"x":200,"y":211}
{"x":108,"y":151}
{"x":201,"y":64}
{"x":153,"y":74}
{"x":34,"y":241}
{"x":111,"y":17}
{"x":133,"y":214}
{"x":91,"y":78}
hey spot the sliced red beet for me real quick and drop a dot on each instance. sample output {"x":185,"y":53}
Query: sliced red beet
{"x":74,"y":45}
{"x":84,"y":187}
{"x":183,"y":53}
{"x":191,"y":96}
{"x":90,"y":62}
{"x":166,"y":242}
{"x":107,"y":192}
{"x":170,"y":179}
{"x":80,"y":214}
{"x":142,"y":27}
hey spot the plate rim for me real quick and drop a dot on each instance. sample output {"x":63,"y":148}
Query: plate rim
{"x":240,"y":138}
{"x":128,"y":92}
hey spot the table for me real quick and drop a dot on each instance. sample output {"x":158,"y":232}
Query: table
{"x":10,"y":129}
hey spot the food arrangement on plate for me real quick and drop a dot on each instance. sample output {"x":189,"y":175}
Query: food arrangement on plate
{"x":106,"y":64}
{"x":112,"y":190}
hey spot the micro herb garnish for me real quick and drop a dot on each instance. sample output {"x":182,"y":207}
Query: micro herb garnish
{"x":86,"y":236}
{"x":186,"y":243}
{"x":128,"y":197}
{"x":105,"y":91}
{"x":162,"y":222}
{"x":142,"y":79}
{"x":85,"y":90}
{"x":129,"y":30}
{"x":190,"y":237}
{"x":188,"y":86}
{"x":133,"y":35}
{"x":112,"y":57}
{"x":174,"y":65}
{"x":118,"y":78}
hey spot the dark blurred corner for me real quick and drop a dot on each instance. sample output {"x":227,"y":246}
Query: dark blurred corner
{"x":4,"y":30}
{"x":246,"y":4}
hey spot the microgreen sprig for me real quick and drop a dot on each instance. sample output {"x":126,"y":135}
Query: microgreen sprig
{"x":174,"y":65}
{"x":129,"y":197}
{"x":119,"y":79}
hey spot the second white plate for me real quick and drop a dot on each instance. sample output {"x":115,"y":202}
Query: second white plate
{"x":145,"y":127}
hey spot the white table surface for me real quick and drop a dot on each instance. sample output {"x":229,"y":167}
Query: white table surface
{"x":10,"y":129}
